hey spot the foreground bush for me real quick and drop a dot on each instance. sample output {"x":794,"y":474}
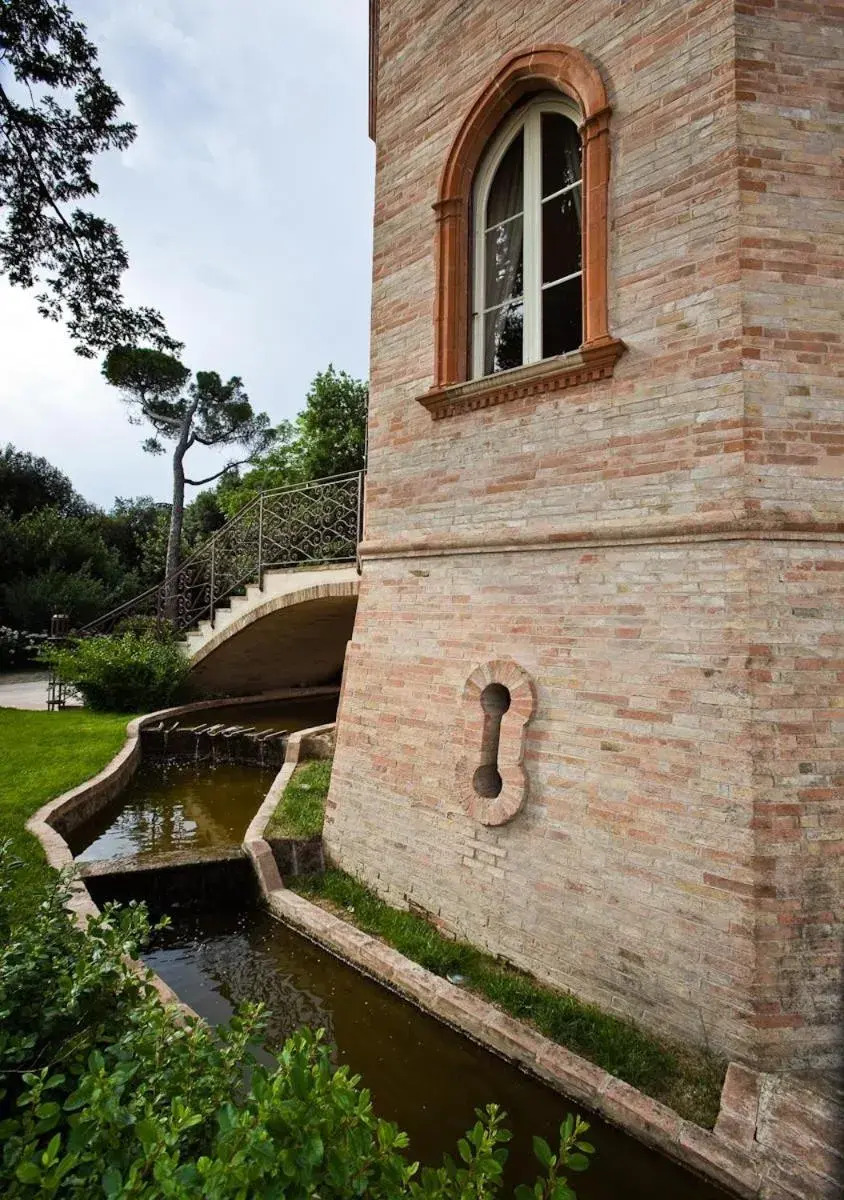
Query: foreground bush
{"x":104,"y":1092}
{"x":128,"y":672}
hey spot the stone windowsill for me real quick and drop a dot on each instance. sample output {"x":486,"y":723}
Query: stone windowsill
{"x":585,"y":365}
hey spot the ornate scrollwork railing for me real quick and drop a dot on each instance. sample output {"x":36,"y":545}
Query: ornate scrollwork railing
{"x":309,"y":523}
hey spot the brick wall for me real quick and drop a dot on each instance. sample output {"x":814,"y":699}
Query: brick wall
{"x":675,"y":858}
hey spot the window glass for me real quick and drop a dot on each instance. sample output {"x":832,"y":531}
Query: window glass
{"x":561,"y":152}
{"x":504,"y":263}
{"x":504,"y":255}
{"x":561,"y":235}
{"x":527,"y":303}
{"x":503,"y":337}
{"x":507,"y":192}
{"x":561,"y":317}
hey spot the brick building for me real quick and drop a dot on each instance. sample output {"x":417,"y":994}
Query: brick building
{"x":593,"y":711}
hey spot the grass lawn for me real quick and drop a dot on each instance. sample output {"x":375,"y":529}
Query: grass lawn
{"x":43,"y":754}
{"x":301,"y":810}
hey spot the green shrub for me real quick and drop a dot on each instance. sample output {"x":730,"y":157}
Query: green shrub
{"x":158,"y":628}
{"x":105,"y":1092}
{"x":18,"y":648}
{"x":122,"y":673}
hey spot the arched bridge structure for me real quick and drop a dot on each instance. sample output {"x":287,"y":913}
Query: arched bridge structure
{"x":269,"y":601}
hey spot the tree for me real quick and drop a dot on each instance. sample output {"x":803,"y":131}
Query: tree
{"x":332,"y":425}
{"x":327,"y":438}
{"x":51,"y":561}
{"x":205,"y":412}
{"x":56,"y":113}
{"x":29,"y":483}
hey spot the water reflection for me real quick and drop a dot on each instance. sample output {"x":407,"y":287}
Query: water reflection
{"x":174,"y":807}
{"x":422,"y":1075}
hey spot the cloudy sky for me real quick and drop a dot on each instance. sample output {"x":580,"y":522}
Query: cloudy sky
{"x":245,"y":204}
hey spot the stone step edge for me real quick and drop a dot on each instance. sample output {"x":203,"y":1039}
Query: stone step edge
{"x":729,"y":1161}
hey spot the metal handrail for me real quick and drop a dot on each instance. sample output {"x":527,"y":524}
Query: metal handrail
{"x":314,"y":522}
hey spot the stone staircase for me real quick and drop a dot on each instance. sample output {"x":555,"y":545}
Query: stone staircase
{"x":282,"y":541}
{"x":284,"y":582}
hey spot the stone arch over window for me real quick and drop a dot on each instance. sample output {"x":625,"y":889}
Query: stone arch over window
{"x":544,"y":71}
{"x":498,"y":701}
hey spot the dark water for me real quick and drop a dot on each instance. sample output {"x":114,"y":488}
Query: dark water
{"x":174,"y":807}
{"x":179,"y":806}
{"x":422,"y":1074}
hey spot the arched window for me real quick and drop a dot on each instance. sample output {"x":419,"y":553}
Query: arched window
{"x":521,"y":303}
{"x":528,"y":257}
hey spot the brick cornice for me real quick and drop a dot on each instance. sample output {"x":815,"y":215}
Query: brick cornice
{"x":551,"y":374}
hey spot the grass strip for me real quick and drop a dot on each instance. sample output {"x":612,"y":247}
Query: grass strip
{"x":43,"y":754}
{"x":688,"y":1080}
{"x":301,"y":810}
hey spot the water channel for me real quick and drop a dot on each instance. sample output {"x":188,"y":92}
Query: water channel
{"x":423,"y":1075}
{"x":204,"y":805}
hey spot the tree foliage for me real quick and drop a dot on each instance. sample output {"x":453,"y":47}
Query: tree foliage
{"x":332,"y":426}
{"x":61,"y":554}
{"x":57,"y":113}
{"x":328,"y":437}
{"x":50,"y":562}
{"x":29,"y":483}
{"x":203,"y":412}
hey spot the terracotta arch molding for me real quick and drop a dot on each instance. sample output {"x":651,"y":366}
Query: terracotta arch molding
{"x":542,"y":68}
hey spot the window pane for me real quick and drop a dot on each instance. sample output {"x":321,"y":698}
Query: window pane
{"x":506,"y":194}
{"x":504,"y":261}
{"x":503,"y":337}
{"x":561,"y":236}
{"x":561,"y":318}
{"x":560,"y":153}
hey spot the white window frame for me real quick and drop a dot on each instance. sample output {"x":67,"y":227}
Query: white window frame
{"x":529,"y":120}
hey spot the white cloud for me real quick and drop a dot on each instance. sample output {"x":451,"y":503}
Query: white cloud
{"x":245,"y":205}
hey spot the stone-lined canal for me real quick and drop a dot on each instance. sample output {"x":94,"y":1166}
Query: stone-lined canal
{"x":203,"y":804}
{"x":423,"y":1075}
{"x":178,"y":806}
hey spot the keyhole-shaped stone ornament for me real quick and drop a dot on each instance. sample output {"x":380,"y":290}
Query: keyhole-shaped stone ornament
{"x":498,"y":701}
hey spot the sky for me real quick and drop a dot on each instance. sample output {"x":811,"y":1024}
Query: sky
{"x":245,"y":205}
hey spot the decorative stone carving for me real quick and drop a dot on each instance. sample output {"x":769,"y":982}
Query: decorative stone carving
{"x":498,"y":701}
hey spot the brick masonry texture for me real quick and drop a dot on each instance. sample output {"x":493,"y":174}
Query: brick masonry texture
{"x":662,"y":551}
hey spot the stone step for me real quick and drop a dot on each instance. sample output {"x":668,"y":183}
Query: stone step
{"x":238,"y":603}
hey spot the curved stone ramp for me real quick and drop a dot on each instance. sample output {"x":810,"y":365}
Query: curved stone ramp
{"x":293,"y":633}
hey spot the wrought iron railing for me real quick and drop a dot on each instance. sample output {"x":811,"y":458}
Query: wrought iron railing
{"x":308,"y":523}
